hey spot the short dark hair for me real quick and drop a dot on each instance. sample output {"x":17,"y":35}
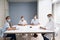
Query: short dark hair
{"x":22,"y":16}
{"x":7,"y":17}
{"x":49,"y":15}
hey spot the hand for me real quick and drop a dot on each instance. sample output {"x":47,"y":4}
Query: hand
{"x":32,"y":24}
{"x":42,"y":28}
{"x":9,"y":28}
{"x":22,"y":24}
{"x":19,"y":24}
{"x":13,"y":28}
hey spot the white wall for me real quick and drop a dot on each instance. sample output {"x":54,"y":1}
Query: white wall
{"x":6,"y":5}
{"x":3,"y":11}
{"x":44,"y":8}
{"x":57,"y":13}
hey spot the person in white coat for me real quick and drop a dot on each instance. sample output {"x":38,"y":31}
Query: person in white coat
{"x":35,"y":21}
{"x":49,"y":26}
{"x":22,"y":22}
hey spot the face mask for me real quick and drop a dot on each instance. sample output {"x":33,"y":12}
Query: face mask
{"x":22,"y":18}
{"x":9,"y":20}
{"x":35,"y":17}
{"x":50,"y":18}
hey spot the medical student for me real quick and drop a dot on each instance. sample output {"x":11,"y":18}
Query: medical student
{"x":35,"y":36}
{"x":22,"y":22}
{"x":8,"y":26}
{"x":49,"y":26}
{"x":35,"y":21}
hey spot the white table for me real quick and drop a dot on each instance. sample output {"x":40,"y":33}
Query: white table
{"x":27,"y":29}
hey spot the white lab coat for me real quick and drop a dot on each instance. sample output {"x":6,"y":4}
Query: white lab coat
{"x":3,"y":29}
{"x":51,"y":26}
{"x":22,"y":22}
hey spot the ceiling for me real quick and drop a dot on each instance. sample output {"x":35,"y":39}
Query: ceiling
{"x":22,"y":0}
{"x":56,"y":1}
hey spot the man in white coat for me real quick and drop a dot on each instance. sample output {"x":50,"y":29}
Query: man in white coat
{"x":50,"y":26}
{"x":22,"y":22}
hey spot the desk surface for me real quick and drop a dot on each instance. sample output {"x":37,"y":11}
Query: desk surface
{"x":27,"y":29}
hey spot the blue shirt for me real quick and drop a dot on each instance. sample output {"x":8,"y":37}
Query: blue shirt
{"x":3,"y":29}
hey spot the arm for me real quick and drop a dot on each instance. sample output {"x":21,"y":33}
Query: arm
{"x":20,"y":23}
{"x":32,"y":22}
{"x":42,"y":28}
{"x":25,"y":22}
{"x":9,"y":28}
{"x":38,"y":22}
{"x":13,"y":28}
